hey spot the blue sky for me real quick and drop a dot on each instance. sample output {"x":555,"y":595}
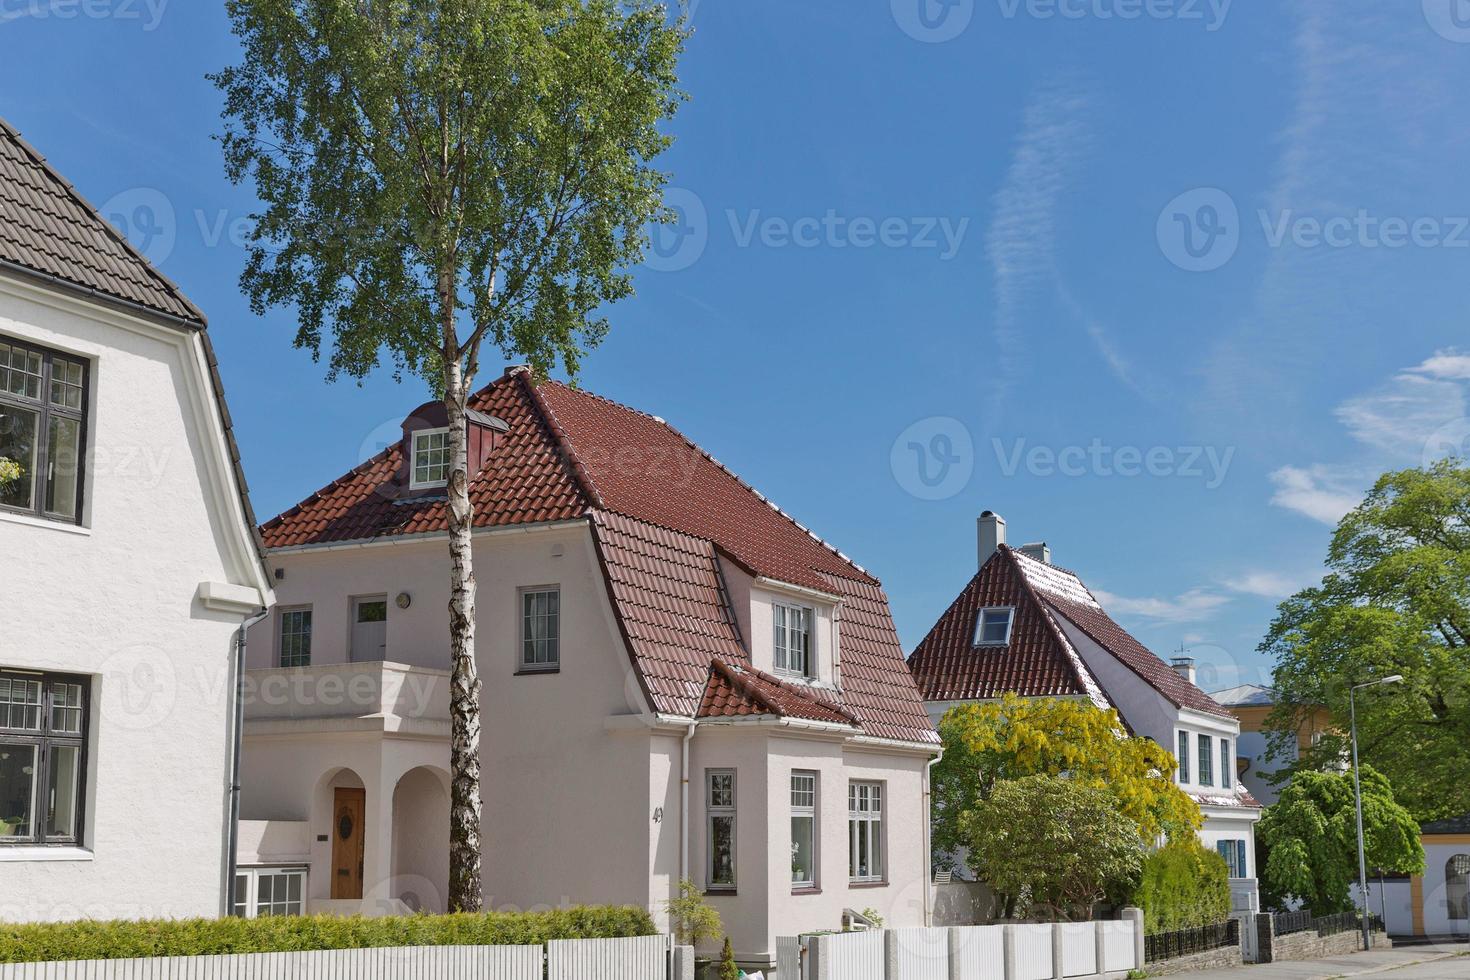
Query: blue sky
{"x":1164,"y":282}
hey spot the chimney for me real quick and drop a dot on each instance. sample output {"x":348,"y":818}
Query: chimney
{"x":990,"y":534}
{"x":1184,"y":667}
{"x":1038,"y":551}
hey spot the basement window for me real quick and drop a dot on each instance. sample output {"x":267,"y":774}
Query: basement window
{"x":993,"y":626}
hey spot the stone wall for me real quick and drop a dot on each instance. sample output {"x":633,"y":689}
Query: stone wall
{"x":1307,"y":945}
{"x":1215,"y":959}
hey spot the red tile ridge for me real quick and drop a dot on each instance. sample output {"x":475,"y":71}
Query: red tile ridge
{"x":580,"y":473}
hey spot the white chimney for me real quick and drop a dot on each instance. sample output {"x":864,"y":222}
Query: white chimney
{"x":990,"y":534}
{"x":1184,"y":666}
{"x":1039,"y":551}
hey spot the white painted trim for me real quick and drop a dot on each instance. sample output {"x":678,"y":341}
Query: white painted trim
{"x":427,"y":537}
{"x":39,"y":855}
{"x":413,"y":459}
{"x":12,"y":517}
{"x":227,"y":598}
{"x":895,"y":745}
{"x":776,"y":585}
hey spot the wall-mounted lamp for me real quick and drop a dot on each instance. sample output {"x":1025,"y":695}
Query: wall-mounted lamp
{"x":404,"y":600}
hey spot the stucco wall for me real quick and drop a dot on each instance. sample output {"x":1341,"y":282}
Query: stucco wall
{"x":1435,"y":918}
{"x":116,"y":600}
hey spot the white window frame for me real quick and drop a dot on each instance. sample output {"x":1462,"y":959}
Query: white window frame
{"x":980,"y":641}
{"x":414,"y":483}
{"x":553,"y":644}
{"x":801,"y":810}
{"x":281,"y":613}
{"x":252,"y":875}
{"x":1227,"y":764}
{"x":711,"y":813}
{"x":865,"y":821}
{"x":1206,"y":760}
{"x":781,"y":634}
{"x":1182,"y":747}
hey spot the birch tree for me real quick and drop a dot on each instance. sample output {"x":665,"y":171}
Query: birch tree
{"x":436,"y":175}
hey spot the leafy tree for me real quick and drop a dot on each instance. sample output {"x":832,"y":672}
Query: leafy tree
{"x":692,"y":919}
{"x":1396,"y":601}
{"x":1059,"y":842}
{"x":987,"y":744}
{"x":436,"y":174}
{"x":1311,"y":838}
{"x":1185,"y":885}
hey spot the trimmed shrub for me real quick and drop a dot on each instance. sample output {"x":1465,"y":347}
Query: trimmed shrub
{"x":92,"y":940}
{"x":1184,"y":885}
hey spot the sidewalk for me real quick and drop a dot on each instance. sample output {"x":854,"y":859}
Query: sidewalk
{"x":1411,"y":963}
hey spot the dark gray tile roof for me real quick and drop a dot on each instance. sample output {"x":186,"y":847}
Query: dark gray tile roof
{"x":48,"y":228}
{"x":1454,"y":825}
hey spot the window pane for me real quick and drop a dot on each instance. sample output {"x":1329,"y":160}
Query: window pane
{"x":722,"y":850}
{"x":1206,"y":762}
{"x":61,"y":790}
{"x":372,"y":611}
{"x":722,"y":789}
{"x":1184,"y":757}
{"x":296,"y":638}
{"x":803,"y":850}
{"x":20,"y":704}
{"x":242,"y":892}
{"x":66,"y":709}
{"x":1227,"y":763}
{"x":19,"y":446}
{"x":66,"y":383}
{"x":63,"y":453}
{"x":21,"y":374}
{"x":17,"y":789}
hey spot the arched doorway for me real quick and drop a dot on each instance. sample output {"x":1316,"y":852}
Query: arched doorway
{"x":341,"y":797}
{"x":421,"y":840}
{"x":1457,"y":891}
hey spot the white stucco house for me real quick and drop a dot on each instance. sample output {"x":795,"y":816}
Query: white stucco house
{"x":1023,"y":625}
{"x":128,"y":562}
{"x":680,"y":681}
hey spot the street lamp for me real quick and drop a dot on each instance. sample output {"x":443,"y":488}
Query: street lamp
{"x":1358,"y":797}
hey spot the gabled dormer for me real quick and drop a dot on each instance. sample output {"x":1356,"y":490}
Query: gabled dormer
{"x":791,"y":631}
{"x":423,"y":469}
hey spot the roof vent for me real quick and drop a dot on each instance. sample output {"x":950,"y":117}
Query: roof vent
{"x":1037,"y":551}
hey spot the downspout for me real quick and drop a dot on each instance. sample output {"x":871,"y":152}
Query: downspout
{"x":684,"y":805}
{"x":928,"y":804}
{"x":237,"y":722}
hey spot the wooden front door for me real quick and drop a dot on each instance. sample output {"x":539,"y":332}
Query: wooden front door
{"x":349,"y":810}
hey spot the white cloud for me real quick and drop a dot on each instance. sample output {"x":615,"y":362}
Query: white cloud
{"x":1448,"y":364}
{"x":1323,"y":493}
{"x":1399,"y":417}
{"x":1189,"y":607}
{"x":1270,"y":583}
{"x":1022,"y":239}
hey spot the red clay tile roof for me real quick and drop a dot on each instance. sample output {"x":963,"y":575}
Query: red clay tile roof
{"x":1039,"y":660}
{"x":735,"y":691}
{"x":662,"y":512}
{"x":47,"y":227}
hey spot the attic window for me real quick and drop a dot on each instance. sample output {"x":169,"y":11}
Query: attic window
{"x":993,"y":626}
{"x":430,"y":458}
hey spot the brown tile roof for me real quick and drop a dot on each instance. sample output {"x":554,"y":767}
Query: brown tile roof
{"x":736,"y":691}
{"x":1039,"y":660}
{"x":51,"y":234}
{"x":48,"y":228}
{"x":662,"y":510}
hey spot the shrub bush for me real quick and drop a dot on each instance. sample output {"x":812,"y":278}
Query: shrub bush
{"x":1184,"y":885}
{"x":92,"y":940}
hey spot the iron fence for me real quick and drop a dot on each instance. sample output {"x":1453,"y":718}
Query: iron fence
{"x":1286,"y":923}
{"x":1202,"y":939}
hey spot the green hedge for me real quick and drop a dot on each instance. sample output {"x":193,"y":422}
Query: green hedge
{"x":93,"y":940}
{"x":1184,"y":885}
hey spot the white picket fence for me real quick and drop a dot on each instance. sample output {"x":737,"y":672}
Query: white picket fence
{"x":1042,"y":951}
{"x":644,"y":958}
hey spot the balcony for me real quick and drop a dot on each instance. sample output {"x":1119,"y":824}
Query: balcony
{"x":374,"y":696}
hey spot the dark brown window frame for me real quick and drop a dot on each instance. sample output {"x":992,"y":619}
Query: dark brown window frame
{"x":44,"y":740}
{"x":46,"y":410}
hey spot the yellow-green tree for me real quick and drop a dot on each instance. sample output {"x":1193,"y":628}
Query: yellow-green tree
{"x":985,"y":744}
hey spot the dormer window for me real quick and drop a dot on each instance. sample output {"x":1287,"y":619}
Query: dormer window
{"x":793,"y":639}
{"x":430,"y":458}
{"x":993,"y":626}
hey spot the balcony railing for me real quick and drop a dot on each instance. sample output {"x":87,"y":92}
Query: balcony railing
{"x":393,"y":692}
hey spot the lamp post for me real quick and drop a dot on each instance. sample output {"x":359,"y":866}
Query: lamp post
{"x":1358,"y":798}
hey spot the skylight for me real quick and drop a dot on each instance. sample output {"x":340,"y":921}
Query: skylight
{"x":993,"y":626}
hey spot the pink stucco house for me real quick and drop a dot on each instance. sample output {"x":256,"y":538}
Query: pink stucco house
{"x":680,"y":681}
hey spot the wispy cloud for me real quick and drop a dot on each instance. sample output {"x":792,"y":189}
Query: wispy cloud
{"x":1193,"y":606}
{"x":1323,"y":493}
{"x":1270,"y":583}
{"x":1022,"y":239}
{"x":1102,"y":341}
